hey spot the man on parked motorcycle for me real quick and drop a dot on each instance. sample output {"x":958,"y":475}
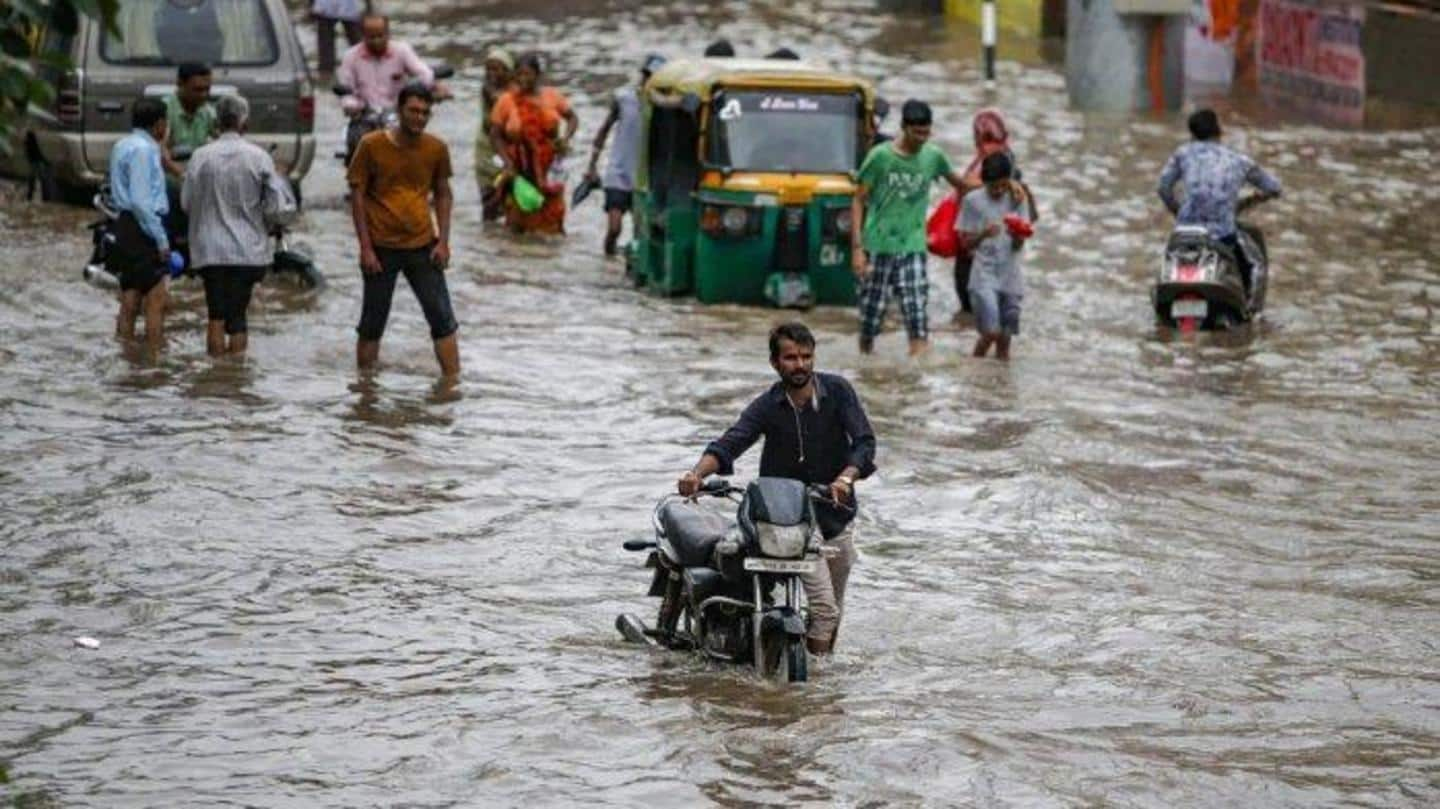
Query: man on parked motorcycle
{"x":815,"y":431}
{"x":1213,"y":176}
{"x":378,"y":68}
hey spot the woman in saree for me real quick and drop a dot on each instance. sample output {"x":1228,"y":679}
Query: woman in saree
{"x":526,"y":132}
{"x":499,"y":65}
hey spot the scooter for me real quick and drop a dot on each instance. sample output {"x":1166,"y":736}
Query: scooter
{"x":1199,"y":284}
{"x":731,"y":588}
{"x":373,"y":118}
{"x":287,"y":263}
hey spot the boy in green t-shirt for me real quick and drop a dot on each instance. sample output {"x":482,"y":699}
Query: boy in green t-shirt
{"x":888,"y":212}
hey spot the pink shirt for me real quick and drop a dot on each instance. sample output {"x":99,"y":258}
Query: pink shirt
{"x":376,"y":82}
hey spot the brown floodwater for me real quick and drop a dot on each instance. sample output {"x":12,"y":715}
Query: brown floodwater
{"x":1123,"y":570}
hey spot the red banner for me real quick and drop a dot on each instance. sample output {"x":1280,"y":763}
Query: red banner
{"x":1309,"y":56}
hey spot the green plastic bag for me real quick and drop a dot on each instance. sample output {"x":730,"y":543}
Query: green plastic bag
{"x":789,"y":290}
{"x":526,"y":195}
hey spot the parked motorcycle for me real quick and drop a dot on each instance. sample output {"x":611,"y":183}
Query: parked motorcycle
{"x":288,"y":263}
{"x":1199,"y":284}
{"x":373,"y":118}
{"x":731,"y":588}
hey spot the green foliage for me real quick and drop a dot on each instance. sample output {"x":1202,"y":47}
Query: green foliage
{"x":23,"y":25}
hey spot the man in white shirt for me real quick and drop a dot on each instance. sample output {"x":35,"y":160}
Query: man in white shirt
{"x":234,"y":197}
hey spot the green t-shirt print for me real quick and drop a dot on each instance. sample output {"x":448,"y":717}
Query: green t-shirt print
{"x":899,"y":192}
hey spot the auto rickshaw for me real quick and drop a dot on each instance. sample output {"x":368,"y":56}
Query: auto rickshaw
{"x":747,"y":170}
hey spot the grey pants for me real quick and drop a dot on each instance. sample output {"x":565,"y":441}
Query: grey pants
{"x":825,"y":588}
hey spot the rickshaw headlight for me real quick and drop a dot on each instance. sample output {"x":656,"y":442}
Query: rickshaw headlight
{"x":836,"y":223}
{"x":728,"y":221}
{"x":735,"y":220}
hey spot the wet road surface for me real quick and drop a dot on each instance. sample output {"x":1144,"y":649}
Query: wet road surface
{"x":1124,"y":570}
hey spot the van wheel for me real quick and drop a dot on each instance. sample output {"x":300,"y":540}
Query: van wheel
{"x":42,"y":176}
{"x":52,"y":188}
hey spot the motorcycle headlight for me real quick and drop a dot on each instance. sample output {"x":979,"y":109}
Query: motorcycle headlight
{"x":782,"y":541}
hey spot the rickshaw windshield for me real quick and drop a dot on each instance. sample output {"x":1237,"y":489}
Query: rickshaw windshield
{"x":762,"y":130}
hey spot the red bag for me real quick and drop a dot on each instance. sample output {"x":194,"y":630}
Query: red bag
{"x":940,"y":236}
{"x":1018,"y":227}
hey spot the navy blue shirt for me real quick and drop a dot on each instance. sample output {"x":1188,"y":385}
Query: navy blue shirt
{"x":812,"y":444}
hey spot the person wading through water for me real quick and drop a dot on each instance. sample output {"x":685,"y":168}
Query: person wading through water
{"x":395,"y":177}
{"x":887,"y":238}
{"x":815,"y":431}
{"x":527,"y":134}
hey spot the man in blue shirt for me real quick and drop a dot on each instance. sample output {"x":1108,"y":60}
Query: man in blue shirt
{"x":1213,"y":176}
{"x":815,"y":431}
{"x":141,"y":250}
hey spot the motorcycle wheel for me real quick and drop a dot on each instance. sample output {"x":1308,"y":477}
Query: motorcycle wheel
{"x":797,"y":661}
{"x":774,"y":663}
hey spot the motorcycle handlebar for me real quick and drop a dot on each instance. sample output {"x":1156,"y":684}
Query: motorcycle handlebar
{"x":719,"y":487}
{"x":1251,"y":201}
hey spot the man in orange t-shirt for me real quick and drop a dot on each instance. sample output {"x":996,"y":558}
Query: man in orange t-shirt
{"x":395,"y":176}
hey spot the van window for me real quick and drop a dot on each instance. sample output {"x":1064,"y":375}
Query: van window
{"x":169,"y":32}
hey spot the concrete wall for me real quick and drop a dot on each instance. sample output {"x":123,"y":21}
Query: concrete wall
{"x":1108,"y":58}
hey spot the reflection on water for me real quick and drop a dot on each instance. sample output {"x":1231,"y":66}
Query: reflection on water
{"x":1126,"y":569}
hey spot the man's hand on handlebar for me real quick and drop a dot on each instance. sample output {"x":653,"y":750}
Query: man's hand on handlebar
{"x":841,"y":491}
{"x":689,"y":484}
{"x":1252,"y":200}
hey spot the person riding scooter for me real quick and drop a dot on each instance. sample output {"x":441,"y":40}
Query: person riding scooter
{"x":1213,"y":176}
{"x":378,"y":68}
{"x":371,"y":76}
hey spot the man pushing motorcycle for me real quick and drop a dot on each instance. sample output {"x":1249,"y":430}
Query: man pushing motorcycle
{"x":815,"y":431}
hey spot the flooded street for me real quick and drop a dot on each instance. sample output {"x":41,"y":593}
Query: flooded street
{"x":1125,"y":570}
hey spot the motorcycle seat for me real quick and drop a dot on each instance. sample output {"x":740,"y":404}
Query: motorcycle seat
{"x":1185,"y":238}
{"x":692,"y":532}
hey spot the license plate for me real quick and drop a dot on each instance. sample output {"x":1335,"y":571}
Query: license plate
{"x":782,"y":565}
{"x":1189,"y":309}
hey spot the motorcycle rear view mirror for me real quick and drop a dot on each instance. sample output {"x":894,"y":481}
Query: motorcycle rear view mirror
{"x":341,"y":90}
{"x":442,"y":70}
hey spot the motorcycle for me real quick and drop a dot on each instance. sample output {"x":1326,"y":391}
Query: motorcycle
{"x":373,"y":118}
{"x":1199,"y":284}
{"x":731,"y":589}
{"x":286,"y":263}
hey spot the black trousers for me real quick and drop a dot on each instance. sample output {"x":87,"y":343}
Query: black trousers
{"x":227,"y":294}
{"x":325,"y":39}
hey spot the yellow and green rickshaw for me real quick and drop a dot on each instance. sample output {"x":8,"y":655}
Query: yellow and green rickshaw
{"x":747,"y":169}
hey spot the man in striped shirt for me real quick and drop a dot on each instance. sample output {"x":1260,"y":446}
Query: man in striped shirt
{"x":234,"y":197}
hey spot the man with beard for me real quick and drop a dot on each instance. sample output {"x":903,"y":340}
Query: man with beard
{"x":396,"y":177}
{"x":815,"y":431}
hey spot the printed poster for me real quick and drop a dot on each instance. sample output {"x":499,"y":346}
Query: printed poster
{"x":1308,"y":56}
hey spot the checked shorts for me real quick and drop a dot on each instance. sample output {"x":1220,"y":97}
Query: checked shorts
{"x":903,"y":276}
